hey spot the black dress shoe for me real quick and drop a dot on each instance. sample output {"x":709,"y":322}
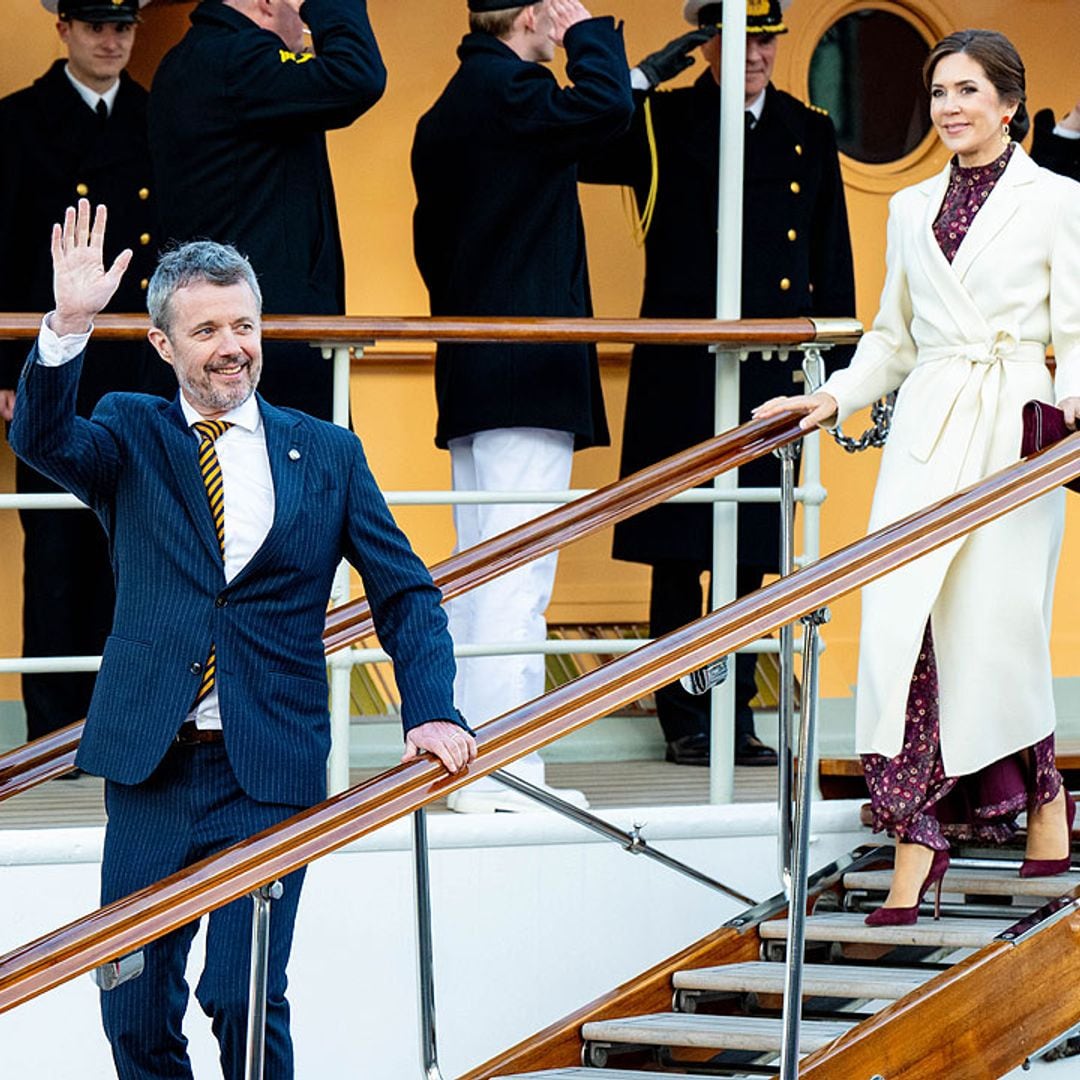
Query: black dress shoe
{"x":689,"y":750}
{"x":750,"y":750}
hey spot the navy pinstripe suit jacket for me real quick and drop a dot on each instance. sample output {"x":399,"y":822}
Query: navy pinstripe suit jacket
{"x":134,"y":462}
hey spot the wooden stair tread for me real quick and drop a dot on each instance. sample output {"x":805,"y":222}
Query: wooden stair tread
{"x":579,"y":1072}
{"x":1066,"y":756}
{"x":954,"y":933}
{"x":757,"y":1033}
{"x":819,"y":980}
{"x":976,"y":883}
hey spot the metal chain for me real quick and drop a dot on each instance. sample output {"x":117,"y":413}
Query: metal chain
{"x":880,"y":412}
{"x":881,"y":415}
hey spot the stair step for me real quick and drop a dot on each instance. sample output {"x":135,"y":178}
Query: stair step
{"x":976,"y":883}
{"x":579,"y":1072}
{"x":819,"y":980}
{"x":953,"y":933}
{"x":760,"y":1034}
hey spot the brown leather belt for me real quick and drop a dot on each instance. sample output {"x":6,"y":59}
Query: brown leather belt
{"x":190,"y":735}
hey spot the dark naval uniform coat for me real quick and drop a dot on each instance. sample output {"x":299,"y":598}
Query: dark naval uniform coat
{"x":796,"y":261}
{"x":498,"y":227}
{"x":1052,"y":151}
{"x":238,"y":137}
{"x":55,"y":149}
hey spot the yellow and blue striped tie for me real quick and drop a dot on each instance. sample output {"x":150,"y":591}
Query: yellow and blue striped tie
{"x":210,"y":467}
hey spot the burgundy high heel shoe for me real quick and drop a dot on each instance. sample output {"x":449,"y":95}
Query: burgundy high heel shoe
{"x":906,"y":916}
{"x":1050,"y":867}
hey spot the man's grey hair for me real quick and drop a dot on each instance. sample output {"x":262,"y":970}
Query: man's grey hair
{"x":189,"y":264}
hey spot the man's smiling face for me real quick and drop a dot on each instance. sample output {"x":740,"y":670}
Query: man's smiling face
{"x":214,"y":345}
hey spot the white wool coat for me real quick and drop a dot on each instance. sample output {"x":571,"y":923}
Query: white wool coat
{"x":965,"y":345}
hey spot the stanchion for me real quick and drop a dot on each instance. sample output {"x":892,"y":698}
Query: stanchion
{"x":260,"y":956}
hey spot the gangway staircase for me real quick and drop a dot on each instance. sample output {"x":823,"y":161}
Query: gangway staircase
{"x":967,"y":997}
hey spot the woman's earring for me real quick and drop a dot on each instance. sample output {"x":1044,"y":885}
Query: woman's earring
{"x":1006,"y":135}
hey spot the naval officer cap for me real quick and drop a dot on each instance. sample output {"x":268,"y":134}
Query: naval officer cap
{"x":495,"y":5}
{"x":762,"y":16}
{"x":96,"y":11}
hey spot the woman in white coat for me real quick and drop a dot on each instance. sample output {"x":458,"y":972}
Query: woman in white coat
{"x":955,"y":711}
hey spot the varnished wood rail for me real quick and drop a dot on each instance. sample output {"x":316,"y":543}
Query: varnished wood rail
{"x":755,"y":334}
{"x":36,"y":762}
{"x":131,"y":922}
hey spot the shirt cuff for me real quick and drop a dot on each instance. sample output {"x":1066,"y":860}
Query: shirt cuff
{"x":54,"y":350}
{"x":638,"y":81}
{"x":1066,"y":133}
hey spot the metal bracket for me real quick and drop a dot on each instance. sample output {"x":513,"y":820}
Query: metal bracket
{"x":116,"y":972}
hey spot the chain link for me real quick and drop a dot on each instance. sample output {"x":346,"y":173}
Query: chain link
{"x":880,"y":412}
{"x":881,"y":415}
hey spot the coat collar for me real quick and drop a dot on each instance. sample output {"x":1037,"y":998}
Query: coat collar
{"x":1000,"y":206}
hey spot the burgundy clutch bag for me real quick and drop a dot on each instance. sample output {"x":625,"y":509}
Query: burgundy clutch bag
{"x":1044,"y":425}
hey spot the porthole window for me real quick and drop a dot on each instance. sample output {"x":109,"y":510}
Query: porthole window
{"x":867,"y":71}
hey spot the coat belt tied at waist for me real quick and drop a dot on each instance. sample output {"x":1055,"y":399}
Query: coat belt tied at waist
{"x":967,"y":385}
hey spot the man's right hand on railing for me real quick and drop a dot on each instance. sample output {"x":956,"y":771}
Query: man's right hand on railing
{"x":451,"y":744}
{"x":7,"y":404}
{"x":820,"y":409}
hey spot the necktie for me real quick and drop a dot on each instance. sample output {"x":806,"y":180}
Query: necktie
{"x":210,"y":467}
{"x":750,"y":121}
{"x":102,"y":111}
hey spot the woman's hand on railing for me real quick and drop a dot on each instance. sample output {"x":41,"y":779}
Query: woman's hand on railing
{"x":1070,"y":406}
{"x":7,"y":404}
{"x":820,"y":409}
{"x":452,"y":745}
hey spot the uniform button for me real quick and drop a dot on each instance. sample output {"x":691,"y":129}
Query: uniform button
{"x":144,"y":193}
{"x":82,"y":189}
{"x":785,"y":284}
{"x":792,"y":235}
{"x":195,"y":667}
{"x":795,"y":188}
{"x":221,"y":601}
{"x":798,"y":149}
{"x":144,"y":284}
{"x":144,"y":239}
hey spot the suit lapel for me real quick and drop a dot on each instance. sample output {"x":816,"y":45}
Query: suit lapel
{"x":1001,"y":204}
{"x":181,"y":449}
{"x":286,"y":448}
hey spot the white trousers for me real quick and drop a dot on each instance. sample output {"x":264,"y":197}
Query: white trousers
{"x":510,"y":608}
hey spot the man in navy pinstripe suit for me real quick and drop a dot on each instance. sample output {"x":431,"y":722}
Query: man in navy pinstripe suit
{"x":233,"y":598}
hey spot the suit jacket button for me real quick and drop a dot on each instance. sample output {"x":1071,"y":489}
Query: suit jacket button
{"x":144,"y":193}
{"x":221,"y":601}
{"x":796,"y":187}
{"x":82,"y":189}
{"x":195,"y":667}
{"x":785,"y":284}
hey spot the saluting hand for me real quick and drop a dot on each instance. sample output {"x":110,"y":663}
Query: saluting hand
{"x":819,"y":408}
{"x":81,"y":284}
{"x":451,"y":744}
{"x":675,"y":56}
{"x":564,"y":14}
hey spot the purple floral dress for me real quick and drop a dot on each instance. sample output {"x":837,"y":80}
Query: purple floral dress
{"x":910,"y":795}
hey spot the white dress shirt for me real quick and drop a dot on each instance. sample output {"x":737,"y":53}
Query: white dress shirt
{"x":245,"y":475}
{"x":92,"y":97}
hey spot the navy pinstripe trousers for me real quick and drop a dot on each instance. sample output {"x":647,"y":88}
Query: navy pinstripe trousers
{"x":191,"y":807}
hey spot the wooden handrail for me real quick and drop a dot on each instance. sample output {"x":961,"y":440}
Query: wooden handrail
{"x":582,"y":517}
{"x":131,"y":922}
{"x":354,"y":329}
{"x":36,"y":762}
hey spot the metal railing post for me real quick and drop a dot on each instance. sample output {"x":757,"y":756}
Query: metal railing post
{"x":796,"y":932}
{"x":340,"y":667}
{"x":425,"y":963}
{"x":260,"y":956}
{"x":786,"y":708}
{"x":725,"y":522}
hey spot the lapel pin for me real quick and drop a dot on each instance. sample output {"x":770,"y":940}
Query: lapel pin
{"x":294,"y":454}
